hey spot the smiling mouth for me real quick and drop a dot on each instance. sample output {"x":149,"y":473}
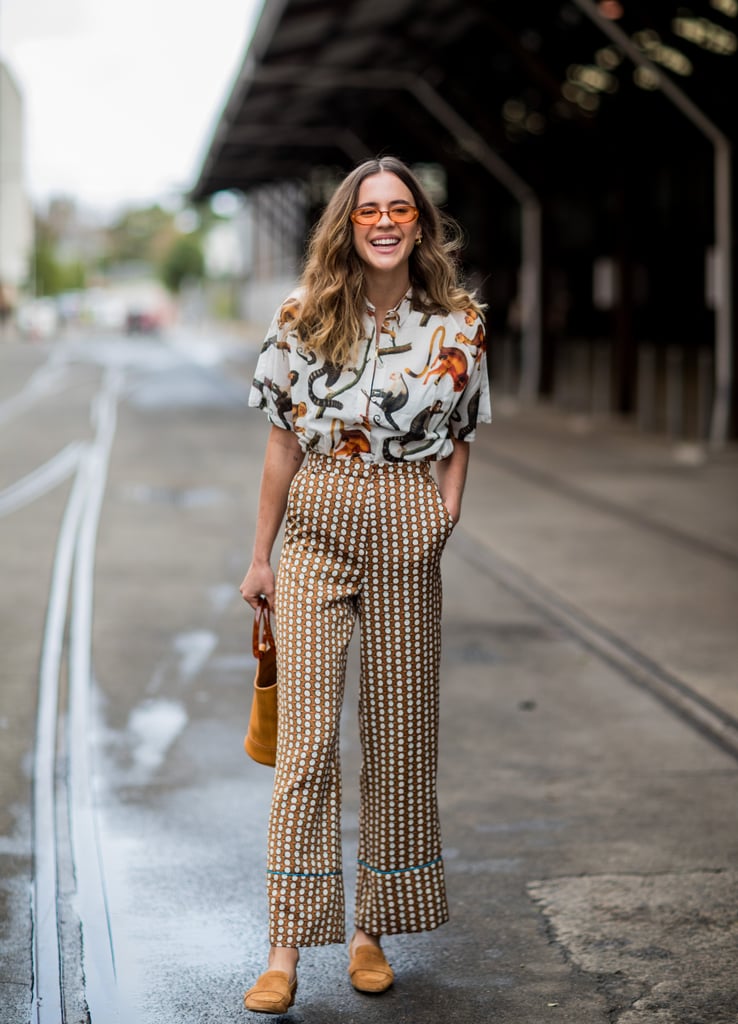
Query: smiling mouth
{"x":385,"y":243}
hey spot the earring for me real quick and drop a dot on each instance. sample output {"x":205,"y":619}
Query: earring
{"x":418,"y":239}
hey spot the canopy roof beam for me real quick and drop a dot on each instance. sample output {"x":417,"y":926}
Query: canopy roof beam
{"x":472,"y":143}
{"x":722,"y":219}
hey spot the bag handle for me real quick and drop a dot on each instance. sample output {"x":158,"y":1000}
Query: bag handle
{"x":262,"y":638}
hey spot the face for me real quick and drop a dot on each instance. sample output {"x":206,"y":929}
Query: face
{"x":385,"y":246}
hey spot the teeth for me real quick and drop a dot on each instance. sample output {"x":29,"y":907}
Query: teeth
{"x":385,"y":242}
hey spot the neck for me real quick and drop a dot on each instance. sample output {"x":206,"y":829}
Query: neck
{"x":387,"y":291}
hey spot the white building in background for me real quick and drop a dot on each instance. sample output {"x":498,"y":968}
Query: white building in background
{"x":16,"y":214}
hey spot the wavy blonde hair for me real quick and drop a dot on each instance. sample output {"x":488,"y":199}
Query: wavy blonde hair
{"x":330,"y":319}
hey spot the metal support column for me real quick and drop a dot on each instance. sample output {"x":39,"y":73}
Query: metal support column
{"x":471,"y":142}
{"x":724,"y":370}
{"x":531,"y":271}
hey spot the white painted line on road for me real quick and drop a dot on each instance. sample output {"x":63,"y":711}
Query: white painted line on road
{"x":194,"y":649}
{"x":46,"y":968}
{"x":155,"y":725}
{"x":92,"y":903}
{"x":48,"y":379}
{"x":42,"y":479}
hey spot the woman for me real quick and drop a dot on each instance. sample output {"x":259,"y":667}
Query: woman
{"x":375,"y":369}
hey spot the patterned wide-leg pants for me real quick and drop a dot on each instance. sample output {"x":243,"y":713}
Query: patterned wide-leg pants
{"x":360,"y":539}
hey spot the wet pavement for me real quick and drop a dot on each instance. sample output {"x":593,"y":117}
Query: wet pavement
{"x":589,"y":742}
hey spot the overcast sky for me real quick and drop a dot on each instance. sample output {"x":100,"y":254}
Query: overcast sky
{"x":121,"y":97}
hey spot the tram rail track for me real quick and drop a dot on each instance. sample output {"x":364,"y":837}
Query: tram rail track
{"x":73,"y":951}
{"x":71,"y":601}
{"x":674,"y":692}
{"x":550,"y":482}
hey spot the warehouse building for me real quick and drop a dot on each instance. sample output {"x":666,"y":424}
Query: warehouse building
{"x":585,"y":146}
{"x":16,"y":216}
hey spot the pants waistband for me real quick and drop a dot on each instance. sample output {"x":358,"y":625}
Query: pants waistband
{"x":318,"y":463}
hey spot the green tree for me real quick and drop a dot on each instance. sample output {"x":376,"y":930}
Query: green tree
{"x":50,"y":276}
{"x":184,"y":261}
{"x":141,"y":236}
{"x":45,"y":271}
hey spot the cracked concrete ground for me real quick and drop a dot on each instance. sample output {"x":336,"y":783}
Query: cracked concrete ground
{"x":591,"y":834}
{"x":661,"y":944}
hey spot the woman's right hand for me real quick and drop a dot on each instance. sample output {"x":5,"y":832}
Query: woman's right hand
{"x":282,"y":460}
{"x":258,"y":582}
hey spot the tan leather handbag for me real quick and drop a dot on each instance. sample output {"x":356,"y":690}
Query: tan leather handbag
{"x":260,"y":741}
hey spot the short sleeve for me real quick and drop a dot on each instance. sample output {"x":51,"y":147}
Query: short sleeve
{"x":474,"y":405}
{"x":271,"y":388}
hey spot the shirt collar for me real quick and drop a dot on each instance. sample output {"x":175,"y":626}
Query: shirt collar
{"x":399,"y":312}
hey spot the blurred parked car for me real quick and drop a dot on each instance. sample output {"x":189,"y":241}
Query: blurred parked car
{"x":104,"y":308}
{"x":37,"y":319}
{"x":141,"y":321}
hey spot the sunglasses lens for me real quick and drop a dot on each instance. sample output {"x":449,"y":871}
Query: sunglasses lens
{"x":403,"y":214}
{"x":371,"y":215}
{"x":366,"y":216}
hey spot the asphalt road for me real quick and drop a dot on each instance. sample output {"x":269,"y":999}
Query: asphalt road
{"x":589,"y":817}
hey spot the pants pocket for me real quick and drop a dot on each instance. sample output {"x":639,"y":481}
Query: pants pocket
{"x":448,"y":521}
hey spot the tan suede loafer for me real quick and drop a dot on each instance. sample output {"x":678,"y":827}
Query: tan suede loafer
{"x":369,"y":970}
{"x":272,"y":993}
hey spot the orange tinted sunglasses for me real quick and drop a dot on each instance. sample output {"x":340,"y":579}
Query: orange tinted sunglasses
{"x":400,"y":214}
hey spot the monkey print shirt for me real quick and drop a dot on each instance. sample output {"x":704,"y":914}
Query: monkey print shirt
{"x":406,"y":393}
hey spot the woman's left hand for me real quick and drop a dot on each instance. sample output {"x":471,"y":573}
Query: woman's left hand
{"x":454,"y":510}
{"x":451,"y":476}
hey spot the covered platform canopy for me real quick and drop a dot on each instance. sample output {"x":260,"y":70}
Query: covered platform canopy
{"x":585,"y":147}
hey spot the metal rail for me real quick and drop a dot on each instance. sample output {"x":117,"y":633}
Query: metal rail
{"x":678,"y":696}
{"x":722,"y":218}
{"x":550,"y":482}
{"x":72,"y":578}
